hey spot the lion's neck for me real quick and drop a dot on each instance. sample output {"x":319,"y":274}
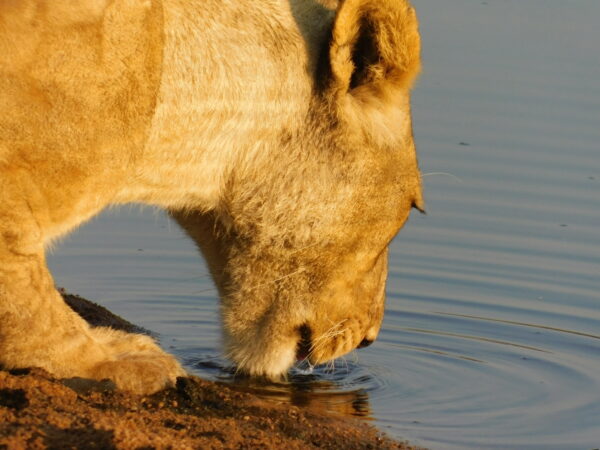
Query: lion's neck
{"x":236,"y":76}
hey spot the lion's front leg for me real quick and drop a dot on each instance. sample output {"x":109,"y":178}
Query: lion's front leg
{"x":38,"y":329}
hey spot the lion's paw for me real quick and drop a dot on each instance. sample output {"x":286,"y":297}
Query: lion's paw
{"x":140,"y":374}
{"x":136,"y":363}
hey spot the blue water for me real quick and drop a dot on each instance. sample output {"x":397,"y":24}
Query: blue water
{"x":492,"y":333}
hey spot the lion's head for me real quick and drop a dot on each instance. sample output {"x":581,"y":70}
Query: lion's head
{"x":298,"y":247}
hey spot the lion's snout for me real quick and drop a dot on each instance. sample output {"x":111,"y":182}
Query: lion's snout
{"x":305,"y":348}
{"x":322,"y":341}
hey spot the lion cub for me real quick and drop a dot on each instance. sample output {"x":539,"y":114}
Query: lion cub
{"x":277,"y":133}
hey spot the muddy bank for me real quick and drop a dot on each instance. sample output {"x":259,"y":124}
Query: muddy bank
{"x":38,"y":411}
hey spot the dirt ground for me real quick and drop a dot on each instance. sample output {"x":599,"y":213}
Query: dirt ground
{"x":40,"y":412}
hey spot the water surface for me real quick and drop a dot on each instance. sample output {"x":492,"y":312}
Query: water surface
{"x":492,"y":332}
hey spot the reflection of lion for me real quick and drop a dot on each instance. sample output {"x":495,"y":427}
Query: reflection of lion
{"x":277,"y":133}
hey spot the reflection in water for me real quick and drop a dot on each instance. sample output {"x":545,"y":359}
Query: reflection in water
{"x":342,"y":391}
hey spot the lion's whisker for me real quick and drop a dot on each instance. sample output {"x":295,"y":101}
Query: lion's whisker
{"x":331,"y":332}
{"x":446,"y":174}
{"x":326,"y":337}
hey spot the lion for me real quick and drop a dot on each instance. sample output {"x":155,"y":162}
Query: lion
{"x":277,"y":133}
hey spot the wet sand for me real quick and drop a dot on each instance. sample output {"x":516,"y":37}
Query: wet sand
{"x":38,"y":411}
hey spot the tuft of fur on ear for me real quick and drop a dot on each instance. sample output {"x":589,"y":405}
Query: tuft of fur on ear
{"x":375,"y":45}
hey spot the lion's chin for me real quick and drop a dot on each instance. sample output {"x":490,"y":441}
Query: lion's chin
{"x":270,"y":362}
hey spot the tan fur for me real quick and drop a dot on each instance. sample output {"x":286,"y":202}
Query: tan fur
{"x":277,"y":133}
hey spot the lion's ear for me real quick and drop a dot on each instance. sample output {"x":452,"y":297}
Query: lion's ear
{"x":375,"y":45}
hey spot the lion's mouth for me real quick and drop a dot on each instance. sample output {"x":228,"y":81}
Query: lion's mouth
{"x":304,"y":346}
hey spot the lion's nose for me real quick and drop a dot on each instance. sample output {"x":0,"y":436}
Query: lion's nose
{"x":365,"y":343}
